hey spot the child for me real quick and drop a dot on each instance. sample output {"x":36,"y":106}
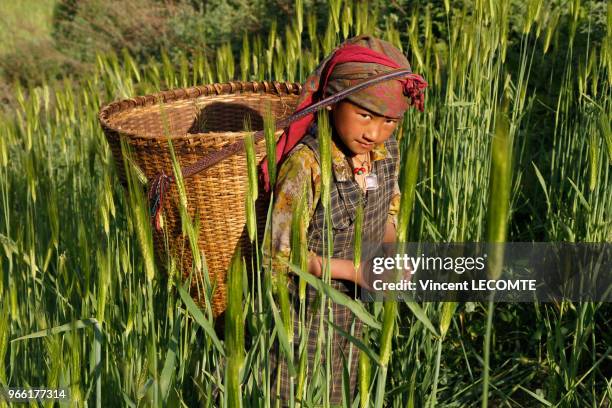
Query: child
{"x":365,"y":164}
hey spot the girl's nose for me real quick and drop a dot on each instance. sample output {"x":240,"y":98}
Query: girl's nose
{"x":371,"y":134}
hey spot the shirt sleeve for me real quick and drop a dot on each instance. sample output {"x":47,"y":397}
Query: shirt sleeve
{"x":395,"y":198}
{"x":299,"y":174}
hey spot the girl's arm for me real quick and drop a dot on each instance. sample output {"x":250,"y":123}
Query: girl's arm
{"x":340,"y":269}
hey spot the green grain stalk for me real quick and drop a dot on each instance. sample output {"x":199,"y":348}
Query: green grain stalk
{"x":497,"y":222}
{"x":234,"y":333}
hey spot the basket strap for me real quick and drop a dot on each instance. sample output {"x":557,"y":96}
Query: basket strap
{"x":160,"y":183}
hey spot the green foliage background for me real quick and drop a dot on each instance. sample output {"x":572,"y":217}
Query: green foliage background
{"x":77,"y":278}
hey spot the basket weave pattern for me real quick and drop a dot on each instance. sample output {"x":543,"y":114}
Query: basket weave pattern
{"x":200,"y":120}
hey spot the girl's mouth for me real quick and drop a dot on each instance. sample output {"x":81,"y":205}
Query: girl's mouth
{"x":366,"y":145}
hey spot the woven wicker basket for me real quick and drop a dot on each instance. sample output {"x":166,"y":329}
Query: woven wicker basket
{"x":200,"y":120}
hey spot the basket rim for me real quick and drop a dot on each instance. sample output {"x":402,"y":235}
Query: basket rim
{"x":177,"y":94}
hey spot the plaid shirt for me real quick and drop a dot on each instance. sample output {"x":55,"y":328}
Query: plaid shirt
{"x":380,"y":206}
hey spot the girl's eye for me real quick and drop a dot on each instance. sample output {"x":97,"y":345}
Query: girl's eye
{"x":391,"y":121}
{"x":365,"y":115}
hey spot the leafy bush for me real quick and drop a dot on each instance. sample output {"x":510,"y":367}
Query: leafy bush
{"x":84,"y":28}
{"x":34,"y":62}
{"x":146,"y":27}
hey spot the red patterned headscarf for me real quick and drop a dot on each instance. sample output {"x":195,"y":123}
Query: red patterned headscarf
{"x":352,"y":62}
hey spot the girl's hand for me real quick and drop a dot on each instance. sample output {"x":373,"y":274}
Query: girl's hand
{"x":390,"y":233}
{"x":361,"y":276}
{"x":314,"y":266}
{"x":390,"y":250}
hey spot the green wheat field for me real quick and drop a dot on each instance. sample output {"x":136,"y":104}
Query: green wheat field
{"x":515,"y":144}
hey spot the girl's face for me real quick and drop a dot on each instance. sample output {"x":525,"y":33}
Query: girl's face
{"x":360,"y":129}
